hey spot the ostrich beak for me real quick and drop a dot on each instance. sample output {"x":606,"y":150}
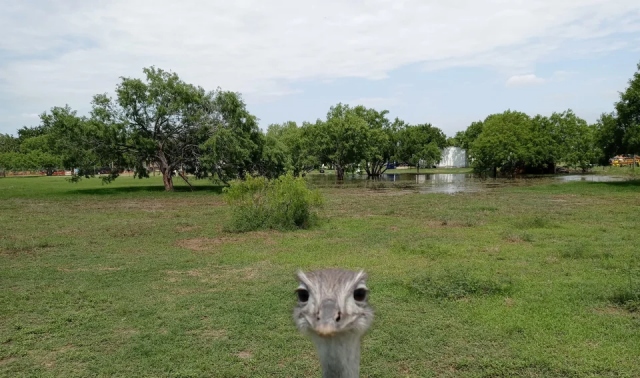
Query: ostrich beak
{"x":327,"y":318}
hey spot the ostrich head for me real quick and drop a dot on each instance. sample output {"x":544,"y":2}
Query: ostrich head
{"x":333,"y":309}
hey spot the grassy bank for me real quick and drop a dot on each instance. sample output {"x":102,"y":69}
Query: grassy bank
{"x":126,"y":280}
{"x":632,"y":172}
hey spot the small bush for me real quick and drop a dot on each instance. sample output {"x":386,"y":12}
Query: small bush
{"x":284,"y":203}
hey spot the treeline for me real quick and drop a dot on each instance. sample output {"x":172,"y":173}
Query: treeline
{"x":513,"y":142}
{"x":179,"y":128}
{"x":182,"y":129}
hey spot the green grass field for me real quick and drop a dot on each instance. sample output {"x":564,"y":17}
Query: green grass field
{"x":125,"y":280}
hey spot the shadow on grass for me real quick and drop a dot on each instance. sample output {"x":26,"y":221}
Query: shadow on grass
{"x":216,"y":189}
{"x":624,"y":184}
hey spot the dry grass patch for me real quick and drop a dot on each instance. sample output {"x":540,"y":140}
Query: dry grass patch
{"x":211,"y":244}
{"x":245,"y":354}
{"x":217,"y":274}
{"x":7,"y":361}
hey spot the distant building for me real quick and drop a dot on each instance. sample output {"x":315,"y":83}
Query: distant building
{"x":453,"y":157}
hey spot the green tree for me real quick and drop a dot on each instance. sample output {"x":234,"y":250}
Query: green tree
{"x":608,"y":137}
{"x":235,"y":143}
{"x":503,"y":143}
{"x":73,"y":139}
{"x":420,"y":145}
{"x":162,"y":121}
{"x":9,"y":146}
{"x":628,"y":115}
{"x":9,"y":143}
{"x":575,"y":141}
{"x":380,"y":141}
{"x":297,"y":144}
{"x":543,"y":148}
{"x":51,"y":144}
{"x":274,"y":161}
{"x":464,"y":139}
{"x":341,"y":139}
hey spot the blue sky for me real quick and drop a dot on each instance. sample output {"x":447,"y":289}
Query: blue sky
{"x":445,"y":64}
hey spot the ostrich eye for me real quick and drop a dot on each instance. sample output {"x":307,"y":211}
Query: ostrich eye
{"x":359,"y":294}
{"x":303,"y":295}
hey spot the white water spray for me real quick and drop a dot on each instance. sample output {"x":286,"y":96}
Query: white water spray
{"x":453,"y":157}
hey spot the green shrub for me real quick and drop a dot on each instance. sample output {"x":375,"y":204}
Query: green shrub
{"x":284,"y":203}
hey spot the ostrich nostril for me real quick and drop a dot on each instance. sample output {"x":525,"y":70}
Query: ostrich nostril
{"x":338,"y":318}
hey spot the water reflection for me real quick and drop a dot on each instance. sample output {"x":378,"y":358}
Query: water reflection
{"x":447,"y":182}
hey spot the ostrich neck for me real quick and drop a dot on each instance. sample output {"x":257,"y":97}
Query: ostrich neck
{"x":339,"y":356}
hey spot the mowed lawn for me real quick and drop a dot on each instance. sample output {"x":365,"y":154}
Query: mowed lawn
{"x":125,"y":280}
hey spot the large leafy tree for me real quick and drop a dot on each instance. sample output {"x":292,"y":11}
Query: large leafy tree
{"x":628,"y":115}
{"x":618,"y":132}
{"x":341,"y":139}
{"x":54,"y":143}
{"x":420,"y":145}
{"x":178,"y":127}
{"x":9,"y":143}
{"x":464,"y":139}
{"x":73,"y":139}
{"x":161,"y":121}
{"x":503,"y":143}
{"x":297,"y":145}
{"x":543,"y":148}
{"x":380,"y":141}
{"x":608,"y":137}
{"x":235,"y":145}
{"x":9,"y":147}
{"x":574,"y":142}
{"x":274,"y":159}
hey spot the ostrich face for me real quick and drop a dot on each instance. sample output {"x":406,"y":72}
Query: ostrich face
{"x":332,"y":302}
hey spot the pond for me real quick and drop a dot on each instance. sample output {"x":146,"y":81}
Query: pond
{"x":449,"y":182}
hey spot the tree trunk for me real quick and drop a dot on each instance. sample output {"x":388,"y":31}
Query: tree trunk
{"x":340,"y":172}
{"x":166,"y":170}
{"x":167,"y":179}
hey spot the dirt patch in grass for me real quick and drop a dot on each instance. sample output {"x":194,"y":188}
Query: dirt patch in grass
{"x":96,"y":269}
{"x":204,"y":244}
{"x":209,"y":244}
{"x":611,"y":310}
{"x":74,"y":231}
{"x":126,"y":332}
{"x":7,"y":361}
{"x":245,"y":354}
{"x":187,"y":228}
{"x":48,"y":358}
{"x":218,"y":273}
{"x":518,"y":237}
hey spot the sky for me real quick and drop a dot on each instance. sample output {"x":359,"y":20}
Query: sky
{"x":444,"y":63}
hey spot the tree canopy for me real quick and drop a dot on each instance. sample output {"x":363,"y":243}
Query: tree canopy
{"x":161,"y":122}
{"x":420,"y":145}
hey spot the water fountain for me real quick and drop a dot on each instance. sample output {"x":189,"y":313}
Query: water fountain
{"x":453,"y":157}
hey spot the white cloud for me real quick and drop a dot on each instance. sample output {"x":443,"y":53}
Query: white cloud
{"x":374,"y":102}
{"x":30,"y":115}
{"x":524,"y":80}
{"x":66,"y":51}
